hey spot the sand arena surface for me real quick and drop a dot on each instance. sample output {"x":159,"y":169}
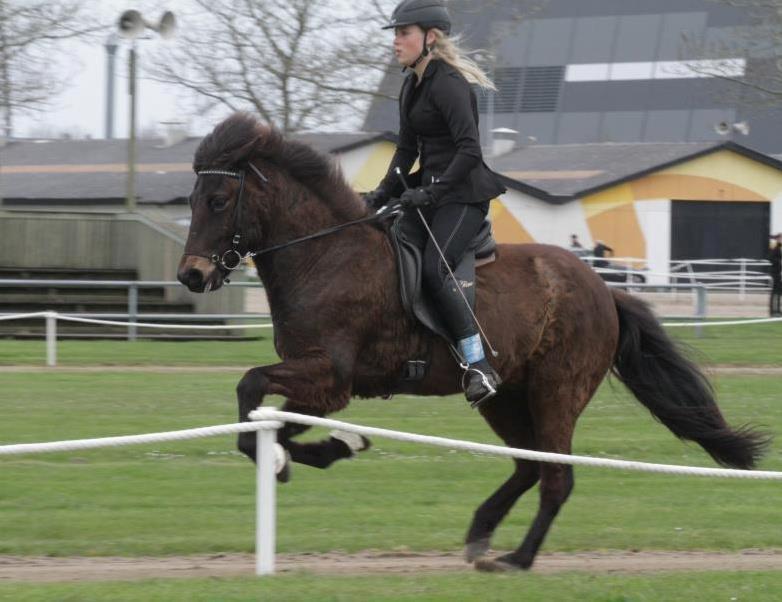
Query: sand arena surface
{"x":47,"y":569}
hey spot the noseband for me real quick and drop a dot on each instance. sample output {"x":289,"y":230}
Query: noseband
{"x":232,"y":258}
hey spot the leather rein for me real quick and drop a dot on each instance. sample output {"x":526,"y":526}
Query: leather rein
{"x":232,"y":258}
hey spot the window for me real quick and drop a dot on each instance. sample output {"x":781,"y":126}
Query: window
{"x":541,"y":89}
{"x":524,"y":90}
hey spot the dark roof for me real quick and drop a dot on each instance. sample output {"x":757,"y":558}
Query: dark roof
{"x":78,"y":171}
{"x":562,"y":172}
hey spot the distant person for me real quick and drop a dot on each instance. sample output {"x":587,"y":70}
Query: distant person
{"x":602,"y":250}
{"x":574,"y":242}
{"x":775,"y":257}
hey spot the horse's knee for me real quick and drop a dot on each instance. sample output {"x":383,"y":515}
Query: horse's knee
{"x":249,"y":392}
{"x":247,"y":444}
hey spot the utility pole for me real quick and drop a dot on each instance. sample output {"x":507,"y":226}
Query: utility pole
{"x":111,"y":54}
{"x":131,"y":25}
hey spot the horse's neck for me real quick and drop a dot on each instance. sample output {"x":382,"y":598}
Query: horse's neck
{"x":320,"y":271}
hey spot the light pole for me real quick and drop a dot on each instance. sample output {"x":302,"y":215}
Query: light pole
{"x":131,"y":25}
{"x":111,"y":53}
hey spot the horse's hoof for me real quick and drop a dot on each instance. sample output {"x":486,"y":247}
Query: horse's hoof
{"x":282,"y":463}
{"x":355,"y":442}
{"x":503,"y":564}
{"x":476,"y":549}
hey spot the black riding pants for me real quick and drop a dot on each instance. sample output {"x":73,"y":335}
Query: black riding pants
{"x":776,"y":295}
{"x":453,"y":226}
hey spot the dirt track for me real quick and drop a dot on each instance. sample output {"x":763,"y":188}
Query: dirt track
{"x":40,"y":569}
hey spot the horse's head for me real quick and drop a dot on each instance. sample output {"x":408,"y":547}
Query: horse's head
{"x":237,"y":210}
{"x":222,"y":229}
{"x":219,"y":235}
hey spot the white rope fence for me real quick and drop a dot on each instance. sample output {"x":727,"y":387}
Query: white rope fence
{"x":126,"y":440}
{"x":723,"y":322}
{"x":263,"y":414}
{"x":52,"y":317}
{"x":266,"y":421}
{"x":67,"y":318}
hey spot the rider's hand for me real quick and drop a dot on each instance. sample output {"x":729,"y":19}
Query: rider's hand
{"x":376,"y":198}
{"x":416,"y":198}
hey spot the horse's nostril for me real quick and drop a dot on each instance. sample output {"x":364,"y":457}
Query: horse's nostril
{"x":194,"y":279}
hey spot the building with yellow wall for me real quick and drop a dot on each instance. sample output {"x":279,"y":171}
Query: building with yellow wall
{"x":654,"y":201}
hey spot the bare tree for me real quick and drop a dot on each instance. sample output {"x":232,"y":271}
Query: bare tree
{"x":30,"y":33}
{"x":299,"y":64}
{"x":748,"y":56}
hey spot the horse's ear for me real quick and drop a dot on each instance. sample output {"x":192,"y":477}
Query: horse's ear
{"x":245,"y":152}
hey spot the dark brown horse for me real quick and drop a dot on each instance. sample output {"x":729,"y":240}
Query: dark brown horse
{"x":341,"y":330}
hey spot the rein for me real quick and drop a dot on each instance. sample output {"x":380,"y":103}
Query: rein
{"x":232,"y":258}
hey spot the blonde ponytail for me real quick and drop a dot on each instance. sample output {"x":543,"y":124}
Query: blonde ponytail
{"x":448,"y":50}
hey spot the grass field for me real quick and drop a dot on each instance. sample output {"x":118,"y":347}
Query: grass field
{"x":755,"y":344}
{"x":198,"y":496}
{"x":689,"y":587}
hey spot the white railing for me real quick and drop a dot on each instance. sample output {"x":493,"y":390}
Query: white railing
{"x":52,"y":317}
{"x":739,"y":275}
{"x":132,"y":287}
{"x":266,"y":421}
{"x":733,"y":275}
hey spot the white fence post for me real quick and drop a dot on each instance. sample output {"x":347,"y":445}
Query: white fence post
{"x":266,"y":494}
{"x":743,"y":282}
{"x":51,"y":338}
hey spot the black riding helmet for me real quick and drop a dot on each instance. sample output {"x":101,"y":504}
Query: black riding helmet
{"x":427,"y":14}
{"x":424,"y":13}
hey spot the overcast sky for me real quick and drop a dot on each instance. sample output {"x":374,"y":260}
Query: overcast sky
{"x":81,"y":109}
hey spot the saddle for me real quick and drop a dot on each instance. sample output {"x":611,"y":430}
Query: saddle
{"x":415,"y":299}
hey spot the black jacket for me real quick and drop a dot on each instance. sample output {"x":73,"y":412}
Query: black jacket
{"x":775,"y":257}
{"x":438,"y":120}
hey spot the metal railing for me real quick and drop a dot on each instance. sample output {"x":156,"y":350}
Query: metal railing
{"x":132,"y":287}
{"x":741,"y":279}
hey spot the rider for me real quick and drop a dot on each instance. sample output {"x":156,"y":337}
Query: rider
{"x":438,"y":118}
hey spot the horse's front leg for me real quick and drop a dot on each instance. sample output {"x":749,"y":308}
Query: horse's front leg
{"x":319,"y":454}
{"x":313,"y":386}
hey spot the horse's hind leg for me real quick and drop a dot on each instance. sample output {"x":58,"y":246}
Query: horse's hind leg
{"x":509,"y":417}
{"x":554,"y":405}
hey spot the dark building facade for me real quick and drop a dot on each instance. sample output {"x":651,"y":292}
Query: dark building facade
{"x":585,"y":71}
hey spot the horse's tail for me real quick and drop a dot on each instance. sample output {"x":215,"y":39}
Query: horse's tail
{"x":674,"y":389}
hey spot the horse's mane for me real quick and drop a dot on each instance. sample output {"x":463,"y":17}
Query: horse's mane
{"x":241,"y":137}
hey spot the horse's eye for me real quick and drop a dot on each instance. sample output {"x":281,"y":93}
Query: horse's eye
{"x":218,"y":204}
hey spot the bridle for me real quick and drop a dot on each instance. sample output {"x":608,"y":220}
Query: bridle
{"x":232,"y":258}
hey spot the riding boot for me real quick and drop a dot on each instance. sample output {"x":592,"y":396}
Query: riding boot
{"x":479,"y":380}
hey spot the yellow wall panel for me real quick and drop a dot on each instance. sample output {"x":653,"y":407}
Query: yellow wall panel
{"x":728,"y":166}
{"x":683,"y":187}
{"x":375,"y":167}
{"x":505,"y":227}
{"x":607,"y":200}
{"x":611,"y":217}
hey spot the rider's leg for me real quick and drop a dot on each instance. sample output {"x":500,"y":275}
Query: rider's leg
{"x":454,"y":226}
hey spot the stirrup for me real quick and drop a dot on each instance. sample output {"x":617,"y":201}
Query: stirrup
{"x":491,"y":391}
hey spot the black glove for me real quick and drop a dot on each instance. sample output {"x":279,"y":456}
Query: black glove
{"x":416,"y":198}
{"x":376,"y":198}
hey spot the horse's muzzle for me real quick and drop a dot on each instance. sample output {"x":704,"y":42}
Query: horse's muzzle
{"x":199,"y":274}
